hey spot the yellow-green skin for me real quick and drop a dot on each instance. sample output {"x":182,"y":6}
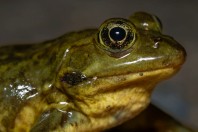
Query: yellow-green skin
{"x":73,"y":83}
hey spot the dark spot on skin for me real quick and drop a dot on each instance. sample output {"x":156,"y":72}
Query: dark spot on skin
{"x":71,"y":124}
{"x":74,"y":124}
{"x":73,"y":78}
{"x":108,"y":108}
{"x":141,"y":73}
{"x":64,"y":119}
{"x":51,"y":59}
{"x":166,"y":62}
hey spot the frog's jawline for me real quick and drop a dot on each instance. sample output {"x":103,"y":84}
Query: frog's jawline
{"x":166,"y":72}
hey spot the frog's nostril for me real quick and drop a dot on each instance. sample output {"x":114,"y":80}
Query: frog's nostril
{"x":179,"y":55}
{"x":157,"y":41}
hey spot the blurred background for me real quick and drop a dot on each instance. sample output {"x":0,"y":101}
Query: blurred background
{"x":29,"y":21}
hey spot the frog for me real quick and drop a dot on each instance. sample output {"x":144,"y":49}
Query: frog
{"x":88,"y":80}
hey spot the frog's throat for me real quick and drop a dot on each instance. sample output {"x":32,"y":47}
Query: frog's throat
{"x":110,"y":107}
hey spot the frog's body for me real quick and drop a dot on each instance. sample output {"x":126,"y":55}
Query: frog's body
{"x":86,"y":81}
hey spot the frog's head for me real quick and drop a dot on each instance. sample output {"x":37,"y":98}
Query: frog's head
{"x":112,"y":72}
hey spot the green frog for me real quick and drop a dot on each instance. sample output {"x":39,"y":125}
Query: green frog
{"x":90,"y":80}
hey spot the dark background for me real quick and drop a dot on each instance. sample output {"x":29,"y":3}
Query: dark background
{"x":29,"y":21}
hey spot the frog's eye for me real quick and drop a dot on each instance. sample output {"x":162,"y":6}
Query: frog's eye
{"x":116,"y":35}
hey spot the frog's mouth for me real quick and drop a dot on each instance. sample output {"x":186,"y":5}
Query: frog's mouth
{"x":147,"y":79}
{"x":104,"y":84}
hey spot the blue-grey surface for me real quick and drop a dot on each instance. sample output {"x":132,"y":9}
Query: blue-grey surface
{"x":28,"y":21}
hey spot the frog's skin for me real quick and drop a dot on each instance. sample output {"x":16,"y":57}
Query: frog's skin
{"x":89,"y":80}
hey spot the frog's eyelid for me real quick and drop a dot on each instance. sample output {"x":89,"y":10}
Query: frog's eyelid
{"x":146,"y":21}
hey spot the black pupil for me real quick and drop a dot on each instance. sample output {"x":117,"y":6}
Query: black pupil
{"x":117,"y":33}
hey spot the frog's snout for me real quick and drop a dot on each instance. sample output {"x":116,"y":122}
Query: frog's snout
{"x":174,"y":54}
{"x":180,"y":54}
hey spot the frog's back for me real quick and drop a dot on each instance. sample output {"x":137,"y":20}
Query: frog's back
{"x":27,"y":71}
